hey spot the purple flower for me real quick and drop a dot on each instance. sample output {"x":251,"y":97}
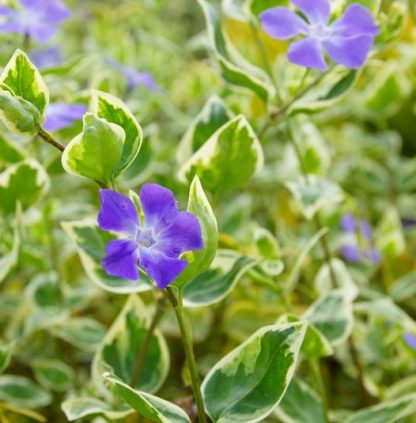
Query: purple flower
{"x":410,"y":340}
{"x":38,"y":18}
{"x":155,"y":244}
{"x":135,"y":78}
{"x":46,"y":58}
{"x":347,"y":41}
{"x":352,"y":250}
{"x":62,"y":115}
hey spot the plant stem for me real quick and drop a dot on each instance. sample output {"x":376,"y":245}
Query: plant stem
{"x":141,"y":356}
{"x":328,"y":260}
{"x":46,"y":136}
{"x":317,"y":374}
{"x":186,"y":333}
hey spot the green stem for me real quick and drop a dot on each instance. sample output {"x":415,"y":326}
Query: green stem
{"x":186,"y":333}
{"x":46,"y":136}
{"x":319,"y":382}
{"x":141,"y":356}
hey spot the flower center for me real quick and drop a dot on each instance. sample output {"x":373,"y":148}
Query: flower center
{"x":319,"y":31}
{"x":145,"y":238}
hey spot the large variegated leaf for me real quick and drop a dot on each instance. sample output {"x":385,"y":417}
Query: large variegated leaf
{"x":234,"y":68}
{"x":213,"y":115}
{"x":115,"y":111}
{"x":218,"y":162}
{"x":332,"y":315}
{"x":387,"y":412}
{"x":300,"y":404}
{"x":247,"y":384}
{"x":23,"y":80}
{"x":200,"y":260}
{"x":213,"y":285}
{"x":121,"y":346}
{"x":153,"y":408}
{"x":97,"y":152}
{"x":24,"y":183}
{"x":90,"y":243}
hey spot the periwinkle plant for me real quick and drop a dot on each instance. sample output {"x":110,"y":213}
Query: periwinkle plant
{"x":283,"y":328}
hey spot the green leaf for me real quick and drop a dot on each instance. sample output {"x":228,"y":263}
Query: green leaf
{"x":119,"y":349}
{"x":6,"y":351}
{"x":24,"y":182}
{"x":53,"y":374}
{"x":84,"y":333}
{"x":78,"y":408}
{"x":10,"y":260}
{"x":90,"y":243}
{"x":200,"y":260}
{"x":153,"y":408}
{"x":315,"y":344}
{"x":218,"y":162}
{"x":97,"y":152}
{"x":266,"y":243}
{"x":258,"y":6}
{"x":24,"y":80}
{"x":387,"y":412}
{"x":10,"y":153}
{"x":213,"y":115}
{"x":332,"y":315}
{"x":22,"y":392}
{"x":301,"y":404}
{"x":235,"y":70}
{"x":115,"y":111}
{"x":19,"y":115}
{"x":404,"y":288}
{"x":313,"y":193}
{"x":213,"y":285}
{"x":44,"y":292}
{"x":249,"y":382}
{"x":389,"y":236}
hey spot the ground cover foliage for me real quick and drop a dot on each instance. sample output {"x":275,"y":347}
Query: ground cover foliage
{"x":204,"y":219}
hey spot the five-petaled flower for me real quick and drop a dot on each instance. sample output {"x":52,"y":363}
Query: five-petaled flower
{"x":62,"y":115}
{"x":39,"y":19}
{"x":154,"y":244}
{"x":358,"y":244}
{"x":347,"y":41}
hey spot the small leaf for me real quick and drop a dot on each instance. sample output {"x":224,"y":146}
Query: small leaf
{"x":44,"y":293}
{"x":78,"y":408}
{"x":96,"y":152}
{"x":6,"y":351}
{"x":90,"y":243}
{"x":200,"y":260}
{"x":266,"y":244}
{"x":404,"y":288}
{"x":10,"y":153}
{"x":386,"y":412}
{"x":115,"y":111}
{"x":332,"y":315}
{"x":119,"y":349}
{"x":22,"y":392}
{"x":24,"y":80}
{"x":213,"y":285}
{"x":53,"y":374}
{"x":218,"y":162}
{"x":19,"y":115}
{"x":83,"y":333}
{"x":213,"y":115}
{"x":313,"y":193}
{"x":250,"y":381}
{"x":301,"y":404}
{"x":10,"y":260}
{"x":24,"y":182}
{"x":151,"y":407}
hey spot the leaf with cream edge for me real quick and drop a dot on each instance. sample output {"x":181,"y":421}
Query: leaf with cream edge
{"x":24,"y":80}
{"x":53,"y":374}
{"x":96,"y":152}
{"x":218,"y":162}
{"x":113,"y":110}
{"x":248,"y":383}
{"x":24,"y":182}
{"x":200,"y":260}
{"x":153,"y":408}
{"x":119,"y":349}
{"x":332,"y":314}
{"x":78,"y":408}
